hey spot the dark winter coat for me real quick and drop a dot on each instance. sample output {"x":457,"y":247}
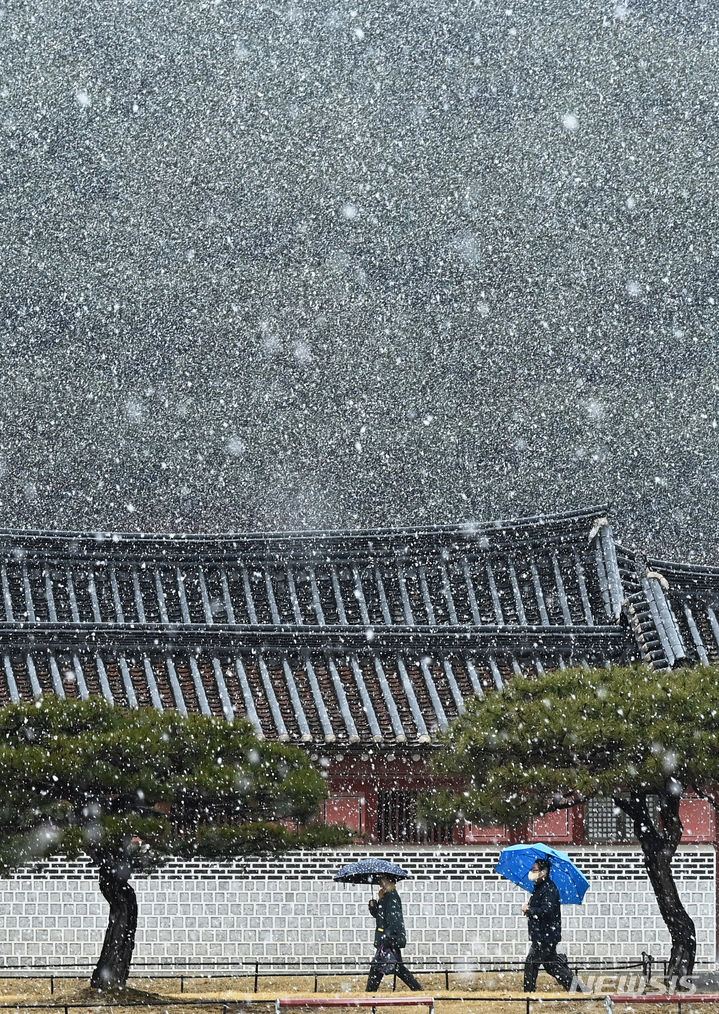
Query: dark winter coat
{"x":544,"y":915}
{"x":390,"y":922}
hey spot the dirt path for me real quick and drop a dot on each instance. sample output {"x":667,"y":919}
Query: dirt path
{"x":201,"y":995}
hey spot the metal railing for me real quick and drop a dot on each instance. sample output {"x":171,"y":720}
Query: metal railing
{"x":113,"y":1003}
{"x":256,"y":969}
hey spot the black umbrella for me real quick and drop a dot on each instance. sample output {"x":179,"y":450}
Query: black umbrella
{"x":368,"y":871}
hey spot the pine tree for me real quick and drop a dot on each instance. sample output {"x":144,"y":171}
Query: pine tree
{"x":636,"y":736}
{"x":130,"y":789}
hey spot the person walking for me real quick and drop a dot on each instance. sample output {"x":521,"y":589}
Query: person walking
{"x":389,"y":938}
{"x":544,"y":922}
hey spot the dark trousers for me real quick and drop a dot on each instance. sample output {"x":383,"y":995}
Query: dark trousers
{"x":401,"y":971}
{"x":556,"y":964}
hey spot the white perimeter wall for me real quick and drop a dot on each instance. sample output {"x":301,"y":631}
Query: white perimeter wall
{"x":288,"y":908}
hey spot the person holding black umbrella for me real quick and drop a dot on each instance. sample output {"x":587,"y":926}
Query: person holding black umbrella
{"x":389,"y":938}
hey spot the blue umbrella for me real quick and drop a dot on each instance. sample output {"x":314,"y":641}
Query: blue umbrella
{"x":368,"y":871}
{"x":516,"y":861}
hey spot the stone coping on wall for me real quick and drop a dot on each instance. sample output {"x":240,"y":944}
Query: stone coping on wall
{"x":692,"y":862}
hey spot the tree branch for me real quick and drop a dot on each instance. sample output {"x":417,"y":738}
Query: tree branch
{"x":671,"y":821}
{"x":645,"y":830}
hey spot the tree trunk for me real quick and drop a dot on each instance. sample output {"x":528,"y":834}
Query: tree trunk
{"x":677,"y":919}
{"x":113,"y":967}
{"x":659,"y":843}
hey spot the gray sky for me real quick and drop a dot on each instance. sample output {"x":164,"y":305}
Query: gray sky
{"x":272,"y":266}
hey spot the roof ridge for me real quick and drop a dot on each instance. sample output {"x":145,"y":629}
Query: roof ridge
{"x":638,"y":556}
{"x":190,"y":538}
{"x":698,"y":569}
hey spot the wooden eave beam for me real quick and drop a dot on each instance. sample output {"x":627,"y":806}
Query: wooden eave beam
{"x":588,"y":642}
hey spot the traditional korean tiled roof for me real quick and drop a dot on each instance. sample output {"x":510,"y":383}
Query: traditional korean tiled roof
{"x":673,"y":608}
{"x":324,"y":637}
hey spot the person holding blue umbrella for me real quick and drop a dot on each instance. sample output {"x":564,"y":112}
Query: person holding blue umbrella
{"x":530,"y":867}
{"x":544,"y":922}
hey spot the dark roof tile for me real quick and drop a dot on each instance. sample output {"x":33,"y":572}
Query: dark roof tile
{"x":337,"y":636}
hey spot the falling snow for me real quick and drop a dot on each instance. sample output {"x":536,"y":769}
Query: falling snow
{"x":279,"y":265}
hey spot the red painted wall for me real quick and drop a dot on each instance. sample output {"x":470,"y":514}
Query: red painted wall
{"x":349,"y":811}
{"x":355,"y":780}
{"x":699,"y":820}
